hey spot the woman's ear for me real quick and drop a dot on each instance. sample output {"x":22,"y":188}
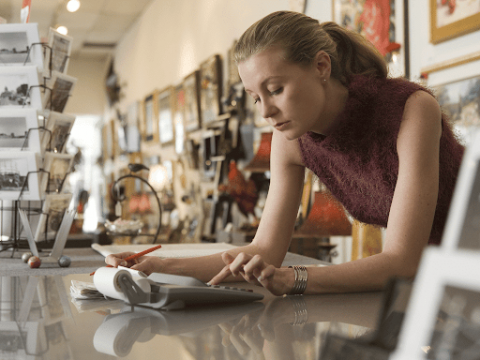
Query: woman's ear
{"x":323,"y":64}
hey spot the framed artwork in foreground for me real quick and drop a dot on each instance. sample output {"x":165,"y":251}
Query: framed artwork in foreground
{"x":450,"y":18}
{"x":382,"y":23}
{"x":164,"y":109}
{"x":191,"y":87}
{"x":211,"y":89}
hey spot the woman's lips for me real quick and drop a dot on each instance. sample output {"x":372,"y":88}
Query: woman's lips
{"x":279,"y":126}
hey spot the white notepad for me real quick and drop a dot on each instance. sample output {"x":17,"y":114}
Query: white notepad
{"x":167,"y":251}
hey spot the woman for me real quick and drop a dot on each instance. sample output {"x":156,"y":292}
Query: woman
{"x":380,"y":145}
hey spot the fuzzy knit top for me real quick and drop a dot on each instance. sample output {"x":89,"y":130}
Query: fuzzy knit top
{"x":358,"y":160}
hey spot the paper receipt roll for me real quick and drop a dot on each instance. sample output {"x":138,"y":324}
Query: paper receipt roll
{"x":106,"y":281}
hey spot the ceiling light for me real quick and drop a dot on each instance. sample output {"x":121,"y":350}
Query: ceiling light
{"x":73,"y":5}
{"x":62,"y":30}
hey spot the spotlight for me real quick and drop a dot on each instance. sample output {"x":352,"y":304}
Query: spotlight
{"x":73,"y":5}
{"x":62,"y":30}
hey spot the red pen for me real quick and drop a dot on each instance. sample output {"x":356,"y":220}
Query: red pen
{"x":137,"y":255}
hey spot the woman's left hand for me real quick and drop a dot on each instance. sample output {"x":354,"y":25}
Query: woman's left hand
{"x":255,"y":270}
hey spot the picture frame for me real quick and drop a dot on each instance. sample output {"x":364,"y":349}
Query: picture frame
{"x":58,"y":128}
{"x":19,"y":88}
{"x":193,"y":114}
{"x":59,"y":88}
{"x":107,"y":141}
{"x":57,"y":167}
{"x":449,"y":21}
{"x":115,"y":147}
{"x":211,"y":89}
{"x":19,"y":171}
{"x":164,"y":110}
{"x":150,"y":130}
{"x":19,"y":130}
{"x":53,"y":210}
{"x":58,"y":56}
{"x":20,"y":45}
{"x":178,"y":119}
{"x":370,"y":20}
{"x":233,"y":75}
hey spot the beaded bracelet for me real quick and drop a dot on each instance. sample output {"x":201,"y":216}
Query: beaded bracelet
{"x":300,"y":283}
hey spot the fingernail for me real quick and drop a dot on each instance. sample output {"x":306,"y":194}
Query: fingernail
{"x":123,"y":263}
{"x":260,"y":278}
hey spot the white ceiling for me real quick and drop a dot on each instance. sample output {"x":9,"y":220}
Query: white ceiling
{"x":96,"y":27}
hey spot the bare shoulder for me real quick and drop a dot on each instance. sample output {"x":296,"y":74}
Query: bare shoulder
{"x":286,"y":151}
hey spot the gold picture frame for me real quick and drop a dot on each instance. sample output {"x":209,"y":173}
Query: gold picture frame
{"x":448,"y":23}
{"x":150,"y":124}
{"x":164,"y":101}
{"x":211,"y":89}
{"x":193,"y":115}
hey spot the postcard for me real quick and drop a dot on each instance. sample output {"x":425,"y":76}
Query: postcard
{"x":58,"y":55}
{"x":20,"y":45}
{"x":19,"y":88}
{"x":58,"y":127}
{"x":56,"y":166}
{"x":19,"y":130}
{"x":19,"y":175}
{"x":53,"y":210}
{"x":59,"y":89}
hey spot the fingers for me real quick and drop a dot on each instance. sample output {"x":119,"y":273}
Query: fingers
{"x":117,"y":259}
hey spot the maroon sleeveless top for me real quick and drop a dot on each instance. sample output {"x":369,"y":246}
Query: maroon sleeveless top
{"x":358,"y":161}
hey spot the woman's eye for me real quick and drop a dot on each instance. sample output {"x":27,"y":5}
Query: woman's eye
{"x":276,"y":92}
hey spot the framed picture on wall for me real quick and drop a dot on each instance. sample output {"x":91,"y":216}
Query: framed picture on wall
{"x":149,"y":127}
{"x":107,"y":141}
{"x":380,"y":22}
{"x":191,"y":87}
{"x":211,"y":89}
{"x":450,"y":19}
{"x":164,"y":107}
{"x":178,"y":119}
{"x":233,"y":75}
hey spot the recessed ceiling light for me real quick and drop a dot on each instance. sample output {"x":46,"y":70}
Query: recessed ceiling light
{"x":62,"y":30}
{"x":73,"y":5}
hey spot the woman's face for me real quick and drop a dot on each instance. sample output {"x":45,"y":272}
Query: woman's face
{"x":290,"y":97}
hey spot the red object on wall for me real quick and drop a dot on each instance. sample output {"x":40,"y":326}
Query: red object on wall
{"x":376,"y":23}
{"x":261,"y":160}
{"x":326,"y":218}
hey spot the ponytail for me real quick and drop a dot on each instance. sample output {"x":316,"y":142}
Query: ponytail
{"x":302,"y":37}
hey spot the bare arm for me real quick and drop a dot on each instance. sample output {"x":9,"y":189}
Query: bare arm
{"x":274,"y":232}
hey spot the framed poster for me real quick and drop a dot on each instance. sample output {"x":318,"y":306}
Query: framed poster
{"x":19,"y":88}
{"x":17,"y":45}
{"x":211,"y":89}
{"x":450,"y":18}
{"x":14,"y":130}
{"x":178,"y":119}
{"x":191,"y":87}
{"x":149,"y":124}
{"x":382,"y":23}
{"x":166,"y":133}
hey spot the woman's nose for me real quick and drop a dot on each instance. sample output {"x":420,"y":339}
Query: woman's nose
{"x":268,"y":109}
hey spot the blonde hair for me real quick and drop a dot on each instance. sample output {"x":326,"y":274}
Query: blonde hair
{"x":302,"y":37}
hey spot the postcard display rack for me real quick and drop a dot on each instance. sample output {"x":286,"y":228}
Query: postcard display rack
{"x":34,"y":90}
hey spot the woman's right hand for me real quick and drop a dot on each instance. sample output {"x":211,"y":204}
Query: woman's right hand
{"x":146,"y":264}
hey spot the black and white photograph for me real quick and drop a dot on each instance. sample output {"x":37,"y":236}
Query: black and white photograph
{"x":16,"y":45}
{"x":57,"y":131}
{"x":57,"y":167}
{"x":53,"y":210}
{"x":14,"y":130}
{"x":17,"y":172}
{"x":61,"y":48}
{"x":60,"y":87}
{"x":19,"y":88}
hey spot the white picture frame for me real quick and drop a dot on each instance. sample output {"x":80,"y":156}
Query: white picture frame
{"x":53,"y":210}
{"x":58,"y":55}
{"x":56,"y":167}
{"x":16,"y":167}
{"x":14,"y":130}
{"x":19,"y":88}
{"x":58,"y":127}
{"x":19,"y":36}
{"x":59,"y":89}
